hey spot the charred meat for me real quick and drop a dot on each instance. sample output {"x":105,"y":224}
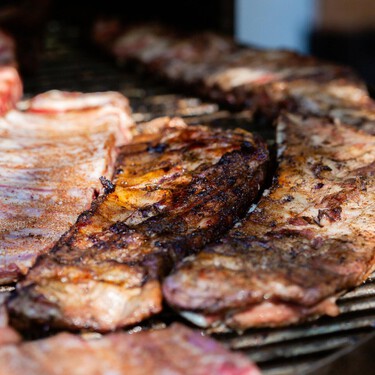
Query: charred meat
{"x":310,"y":238}
{"x":174,"y":192}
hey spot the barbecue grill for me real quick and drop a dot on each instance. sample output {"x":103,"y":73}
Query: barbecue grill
{"x":311,"y":348}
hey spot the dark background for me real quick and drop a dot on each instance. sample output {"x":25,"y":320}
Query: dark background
{"x":27,"y":20}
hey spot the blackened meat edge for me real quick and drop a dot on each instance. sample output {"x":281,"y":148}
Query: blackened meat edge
{"x":310,"y":238}
{"x":175,"y":191}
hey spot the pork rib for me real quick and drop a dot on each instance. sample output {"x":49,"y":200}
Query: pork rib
{"x":174,"y":192}
{"x":174,"y":350}
{"x":311,"y":237}
{"x":50,"y":165}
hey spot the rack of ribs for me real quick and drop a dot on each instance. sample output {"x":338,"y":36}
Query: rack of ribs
{"x":50,"y":163}
{"x":174,"y":191}
{"x":310,"y":238}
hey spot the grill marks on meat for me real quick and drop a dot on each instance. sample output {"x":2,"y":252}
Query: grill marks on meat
{"x":50,"y":166}
{"x":310,"y":238}
{"x":174,"y":192}
{"x":173,"y":350}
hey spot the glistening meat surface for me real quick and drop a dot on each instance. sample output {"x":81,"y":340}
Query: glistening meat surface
{"x":50,"y":164}
{"x":175,"y":350}
{"x":311,"y":237}
{"x":175,"y":191}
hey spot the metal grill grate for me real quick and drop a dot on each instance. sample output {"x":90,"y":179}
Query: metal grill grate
{"x":291,"y":350}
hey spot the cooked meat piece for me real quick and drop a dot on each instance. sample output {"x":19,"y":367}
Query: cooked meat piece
{"x":340,"y":100}
{"x":218,"y":68}
{"x":174,"y":350}
{"x":259,"y":79}
{"x":174,"y":191}
{"x":142,"y":43}
{"x":50,"y":165}
{"x":55,"y":102}
{"x":311,"y":237}
{"x":10,"y":88}
{"x":183,"y":53}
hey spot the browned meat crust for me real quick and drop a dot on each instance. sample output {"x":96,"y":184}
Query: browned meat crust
{"x":50,"y":164}
{"x":174,"y":350}
{"x":311,"y":237}
{"x":173,"y":193}
{"x":264,"y":80}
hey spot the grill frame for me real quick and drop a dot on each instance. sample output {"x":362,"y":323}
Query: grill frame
{"x":308,"y":348}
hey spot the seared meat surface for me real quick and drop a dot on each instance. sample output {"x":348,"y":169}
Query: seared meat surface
{"x":174,"y":191}
{"x":175,"y":350}
{"x":216,"y":67}
{"x":341,"y":100}
{"x":311,"y":237}
{"x":50,"y":164}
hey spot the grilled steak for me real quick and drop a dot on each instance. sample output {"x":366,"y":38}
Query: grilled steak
{"x":174,"y":192}
{"x":50,"y":165}
{"x":10,"y":88}
{"x":174,"y":350}
{"x":311,"y":237}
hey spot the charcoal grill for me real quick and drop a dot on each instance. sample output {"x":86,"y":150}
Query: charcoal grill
{"x":309,"y":348}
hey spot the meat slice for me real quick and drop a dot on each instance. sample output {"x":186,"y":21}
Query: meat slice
{"x":264,"y":80}
{"x":50,"y":165}
{"x":174,"y":191}
{"x":10,"y":88}
{"x":311,"y":237}
{"x":142,"y":43}
{"x":341,"y":100}
{"x":110,"y":103}
{"x":260,"y":79}
{"x":173,"y":350}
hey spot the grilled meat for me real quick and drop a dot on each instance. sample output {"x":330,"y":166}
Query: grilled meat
{"x":50,"y":165}
{"x":10,"y":88}
{"x":142,"y":43}
{"x":218,"y":68}
{"x":174,"y":350}
{"x":174,"y":191}
{"x":311,"y":237}
{"x":341,"y":100}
